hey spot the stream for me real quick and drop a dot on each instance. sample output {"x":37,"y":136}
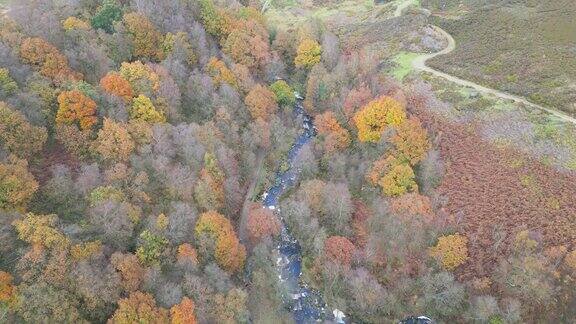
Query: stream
{"x":305,"y":303}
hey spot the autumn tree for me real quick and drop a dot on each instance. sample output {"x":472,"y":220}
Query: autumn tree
{"x":17,"y":135}
{"x":179,"y":46}
{"x":151,"y":248}
{"x":308,"y":54}
{"x":356,"y":98}
{"x":183,"y":313}
{"x":108,"y":13}
{"x":146,"y":39}
{"x":47,"y":58}
{"x":261,"y":102}
{"x":209,"y":190}
{"x":17,"y":184}
{"x":339,"y":249}
{"x":7,"y":85}
{"x":247,"y":44}
{"x":216,"y":237}
{"x":411,"y":141}
{"x":115,"y":84}
{"x":187,"y":253}
{"x":213,"y":19}
{"x":131,"y":271}
{"x":451,"y":251}
{"x":142,"y":78}
{"x":375,"y":116}
{"x":143,"y":109}
{"x":262,"y":223}
{"x":139,"y":307}
{"x":413,"y":205}
{"x":393,"y":176}
{"x":399,"y":180}
{"x":43,"y":302}
{"x":77,"y":142}
{"x":74,"y":23}
{"x":335,"y":136}
{"x":7,"y":288}
{"x":40,"y":231}
{"x":231,"y":307}
{"x":114,"y":141}
{"x":220,"y":73}
{"x":74,"y":107}
{"x":284,"y":93}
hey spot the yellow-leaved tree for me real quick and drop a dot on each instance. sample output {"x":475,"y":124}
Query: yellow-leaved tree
{"x":451,"y":250}
{"x":308,"y":54}
{"x":143,"y":110}
{"x":375,"y":116}
{"x":393,"y":176}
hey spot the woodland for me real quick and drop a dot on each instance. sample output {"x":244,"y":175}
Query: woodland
{"x":138,"y":136}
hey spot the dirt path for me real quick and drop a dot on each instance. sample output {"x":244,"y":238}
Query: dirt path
{"x":420,"y":64}
{"x":403,"y":5}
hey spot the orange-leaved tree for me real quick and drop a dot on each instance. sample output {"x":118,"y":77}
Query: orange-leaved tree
{"x":261,"y":102}
{"x":183,"y":313}
{"x":261,"y":224}
{"x":247,"y":44}
{"x":375,"y":116}
{"x":7,"y":288}
{"x":216,"y":238}
{"x":335,"y":136}
{"x":47,"y":58}
{"x":131,"y":271}
{"x":139,"y":307}
{"x":308,"y":54}
{"x":74,"y":107}
{"x":339,"y":249}
{"x":451,"y":250}
{"x":114,"y":84}
{"x":220,"y":73}
{"x":187,"y":253}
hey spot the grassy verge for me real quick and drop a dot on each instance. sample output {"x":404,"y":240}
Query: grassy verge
{"x":403,"y":62}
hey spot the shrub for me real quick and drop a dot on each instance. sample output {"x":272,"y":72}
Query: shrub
{"x":451,"y":250}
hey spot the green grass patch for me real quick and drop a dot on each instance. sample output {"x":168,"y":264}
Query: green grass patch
{"x":403,"y":63}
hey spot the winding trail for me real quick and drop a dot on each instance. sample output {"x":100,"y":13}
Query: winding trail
{"x":420,"y":64}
